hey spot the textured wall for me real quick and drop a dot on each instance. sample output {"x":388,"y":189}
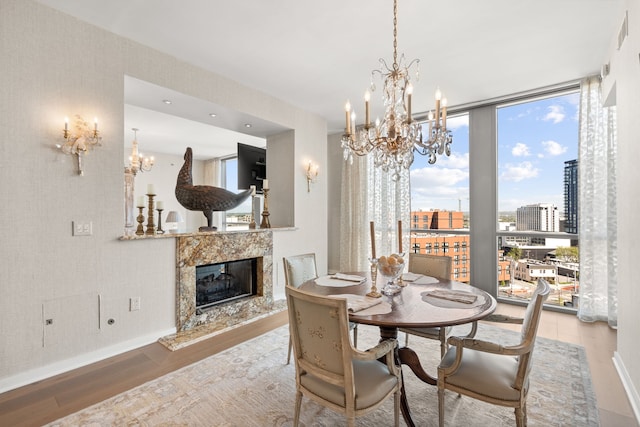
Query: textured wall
{"x":52,"y":66}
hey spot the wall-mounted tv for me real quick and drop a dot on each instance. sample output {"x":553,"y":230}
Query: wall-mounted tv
{"x":252,"y":166}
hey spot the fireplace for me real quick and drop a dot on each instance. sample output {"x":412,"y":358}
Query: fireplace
{"x":235,"y":269}
{"x":226,"y":281}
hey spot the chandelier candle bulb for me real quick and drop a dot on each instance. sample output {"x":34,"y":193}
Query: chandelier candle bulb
{"x":409,"y":93}
{"x":95,"y":124}
{"x":66,"y":124}
{"x":444,"y":113}
{"x":347,"y":108}
{"x":367,"y":97}
{"x":438,"y":98}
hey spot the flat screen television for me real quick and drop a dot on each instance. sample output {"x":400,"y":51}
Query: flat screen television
{"x":252,"y":166}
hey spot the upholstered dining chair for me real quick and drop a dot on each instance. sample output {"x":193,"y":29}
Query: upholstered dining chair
{"x":329,"y":370}
{"x":297,"y":270}
{"x":492,"y":372}
{"x":434,"y":266}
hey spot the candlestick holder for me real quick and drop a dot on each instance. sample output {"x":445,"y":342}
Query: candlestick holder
{"x":151,"y":227}
{"x":265,"y":213}
{"x":252,"y":224}
{"x":374,"y":277}
{"x":160,"y":230}
{"x":140,"y":219}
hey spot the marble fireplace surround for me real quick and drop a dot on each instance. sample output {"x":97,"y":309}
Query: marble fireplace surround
{"x":211,"y":248}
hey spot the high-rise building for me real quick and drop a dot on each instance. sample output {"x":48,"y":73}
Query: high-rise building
{"x":538,"y":217}
{"x":571,"y":196}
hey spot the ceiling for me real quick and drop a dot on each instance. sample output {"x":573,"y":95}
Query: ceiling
{"x":316,"y":55}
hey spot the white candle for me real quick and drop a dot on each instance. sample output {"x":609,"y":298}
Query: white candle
{"x":373,"y":239}
{"x":367,"y":97}
{"x":253,"y":190}
{"x":265,"y":184}
{"x":151,"y":189}
{"x":66,"y":123}
{"x":141,"y":201}
{"x":347,"y":109}
{"x":409,"y":93}
{"x":95,"y":123}
{"x":160,"y":206}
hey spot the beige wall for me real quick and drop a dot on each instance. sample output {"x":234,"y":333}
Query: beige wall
{"x":623,"y":89}
{"x":53,"y":66}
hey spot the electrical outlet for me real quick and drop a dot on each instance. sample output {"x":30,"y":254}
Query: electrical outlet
{"x":82,"y":228}
{"x":134,"y":304}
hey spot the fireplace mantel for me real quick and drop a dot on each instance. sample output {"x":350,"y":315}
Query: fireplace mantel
{"x":217,"y":247}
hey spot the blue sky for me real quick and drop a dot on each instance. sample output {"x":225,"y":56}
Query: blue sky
{"x":534,"y":141}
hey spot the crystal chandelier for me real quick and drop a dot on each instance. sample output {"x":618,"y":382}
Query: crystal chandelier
{"x":393,"y":140}
{"x":138,"y":162}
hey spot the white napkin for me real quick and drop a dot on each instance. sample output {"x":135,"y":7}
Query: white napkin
{"x":410,"y":277}
{"x":349,"y":277}
{"x":357,"y":303}
{"x":458,"y":296}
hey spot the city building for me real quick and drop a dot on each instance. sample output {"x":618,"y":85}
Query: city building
{"x":538,"y":217}
{"x":571,"y":196}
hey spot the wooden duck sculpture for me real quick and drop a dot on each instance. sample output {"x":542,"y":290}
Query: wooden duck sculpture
{"x":204,"y":198}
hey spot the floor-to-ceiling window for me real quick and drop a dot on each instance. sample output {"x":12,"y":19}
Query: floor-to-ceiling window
{"x":537,"y":197}
{"x":511,"y":182}
{"x":440,"y":201}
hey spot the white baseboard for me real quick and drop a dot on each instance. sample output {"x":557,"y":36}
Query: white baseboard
{"x":44,"y":372}
{"x":627,"y":383}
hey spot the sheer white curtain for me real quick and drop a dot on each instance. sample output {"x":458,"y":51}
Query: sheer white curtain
{"x":369,"y":194}
{"x":597,"y":201}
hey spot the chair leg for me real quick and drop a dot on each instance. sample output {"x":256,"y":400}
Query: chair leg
{"x":296,"y":416}
{"x":290,"y":348}
{"x":396,"y":408}
{"x":443,"y":342}
{"x":519,"y":417}
{"x":441,"y":407}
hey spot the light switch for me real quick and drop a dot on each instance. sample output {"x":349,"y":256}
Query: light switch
{"x":82,"y":228}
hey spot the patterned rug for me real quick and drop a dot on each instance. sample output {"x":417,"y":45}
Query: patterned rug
{"x":250,"y":385}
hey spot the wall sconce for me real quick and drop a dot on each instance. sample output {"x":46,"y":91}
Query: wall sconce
{"x":138,"y":162}
{"x":79,"y":142}
{"x":312,"y":173}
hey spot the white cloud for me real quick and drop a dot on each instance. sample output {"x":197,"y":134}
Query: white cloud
{"x":553,"y":148}
{"x":517,"y":173}
{"x":454,"y":161}
{"x":520,"y":150}
{"x":555,"y":114}
{"x":436,"y":179}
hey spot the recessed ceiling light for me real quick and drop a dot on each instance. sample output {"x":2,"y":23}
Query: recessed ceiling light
{"x":247,"y":125}
{"x":212,"y":114}
{"x":166,"y":101}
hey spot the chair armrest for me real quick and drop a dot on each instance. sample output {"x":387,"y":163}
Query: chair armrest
{"x":503,"y":318}
{"x":488,"y":346}
{"x":383,"y":348}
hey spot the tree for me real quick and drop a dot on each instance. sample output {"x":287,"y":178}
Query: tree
{"x":568,"y":254}
{"x":514,"y":253}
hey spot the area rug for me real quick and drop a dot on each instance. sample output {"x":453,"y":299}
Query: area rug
{"x":251,"y":385}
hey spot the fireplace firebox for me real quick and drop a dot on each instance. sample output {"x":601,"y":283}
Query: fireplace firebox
{"x":225,"y":281}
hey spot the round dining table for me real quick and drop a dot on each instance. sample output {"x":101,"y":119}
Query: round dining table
{"x":415,"y":306}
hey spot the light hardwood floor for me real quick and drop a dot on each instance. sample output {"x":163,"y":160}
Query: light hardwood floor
{"x":50,"y":399}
